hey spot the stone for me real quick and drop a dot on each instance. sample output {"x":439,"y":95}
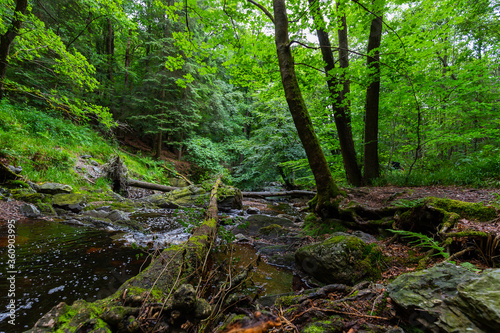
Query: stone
{"x":29,"y":210}
{"x":96,"y":213}
{"x":449,"y":298}
{"x":116,"y":215}
{"x":71,"y":202}
{"x":54,"y":188}
{"x":253,"y":210}
{"x":14,"y":169}
{"x":341,"y":258}
{"x":176,"y":182}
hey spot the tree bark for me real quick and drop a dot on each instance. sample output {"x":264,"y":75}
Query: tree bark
{"x":8,"y":37}
{"x":110,"y":49}
{"x":324,"y":203}
{"x":341,"y":106}
{"x":371,"y":161}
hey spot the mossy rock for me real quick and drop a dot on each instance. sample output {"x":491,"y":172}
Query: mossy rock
{"x":54,"y":188}
{"x":341,"y":259}
{"x":16,"y":184}
{"x":273,"y":230}
{"x":73,"y":202}
{"x":331,"y":325}
{"x":435,"y":213}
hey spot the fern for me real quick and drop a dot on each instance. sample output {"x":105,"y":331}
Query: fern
{"x":421,"y":240}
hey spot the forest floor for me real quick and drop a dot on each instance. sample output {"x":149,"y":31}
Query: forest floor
{"x":377,"y":197}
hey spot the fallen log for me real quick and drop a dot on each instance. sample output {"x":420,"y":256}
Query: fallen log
{"x":161,"y":298}
{"x":150,"y":186}
{"x":295,"y":193}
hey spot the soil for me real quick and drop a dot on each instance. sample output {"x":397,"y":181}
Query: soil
{"x":377,"y":197}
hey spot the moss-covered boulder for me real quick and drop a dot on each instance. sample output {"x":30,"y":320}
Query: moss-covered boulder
{"x":448,"y":298}
{"x":54,"y":188}
{"x":341,"y":258}
{"x":72,"y":202}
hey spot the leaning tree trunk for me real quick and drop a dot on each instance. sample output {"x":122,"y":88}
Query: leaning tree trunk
{"x":371,"y":161}
{"x":327,"y":190}
{"x":341,"y":105}
{"x":8,"y":37}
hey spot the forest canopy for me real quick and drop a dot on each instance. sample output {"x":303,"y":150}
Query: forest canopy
{"x":403,"y":92}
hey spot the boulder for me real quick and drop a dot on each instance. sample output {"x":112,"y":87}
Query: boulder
{"x":117,"y":215}
{"x":29,"y":210}
{"x":342,"y":258}
{"x":71,"y":202}
{"x":449,"y":298}
{"x":54,"y":188}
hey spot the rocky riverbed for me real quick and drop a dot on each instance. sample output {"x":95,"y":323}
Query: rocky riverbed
{"x":340,"y":276}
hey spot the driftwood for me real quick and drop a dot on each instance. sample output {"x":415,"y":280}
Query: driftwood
{"x":296,"y":193}
{"x":150,"y":186}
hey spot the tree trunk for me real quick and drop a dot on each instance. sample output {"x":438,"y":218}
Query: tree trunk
{"x":8,"y":37}
{"x":127,"y":57}
{"x":110,"y":49}
{"x":341,"y":106}
{"x":327,"y":190}
{"x":371,"y":162}
{"x":159,"y":141}
{"x":294,"y":193}
{"x":150,"y":186}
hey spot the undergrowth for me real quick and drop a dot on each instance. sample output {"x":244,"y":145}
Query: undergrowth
{"x":47,"y":146}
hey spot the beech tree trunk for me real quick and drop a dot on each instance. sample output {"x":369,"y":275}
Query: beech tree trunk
{"x":8,"y":37}
{"x":371,"y":161}
{"x":341,"y":106}
{"x":324,"y":203}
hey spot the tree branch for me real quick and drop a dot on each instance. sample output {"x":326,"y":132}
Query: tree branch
{"x":263,"y":9}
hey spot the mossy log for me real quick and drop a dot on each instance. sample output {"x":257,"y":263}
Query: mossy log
{"x":163,"y":292}
{"x":150,"y":186}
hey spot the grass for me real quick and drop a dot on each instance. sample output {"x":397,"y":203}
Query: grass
{"x":47,"y":146}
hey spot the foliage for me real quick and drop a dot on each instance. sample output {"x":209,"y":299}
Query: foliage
{"x":47,"y":147}
{"x":424,"y":241}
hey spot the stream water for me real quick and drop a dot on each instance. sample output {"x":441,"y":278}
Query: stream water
{"x":57,"y":262}
{"x":61,"y":263}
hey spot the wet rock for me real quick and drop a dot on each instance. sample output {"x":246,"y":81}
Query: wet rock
{"x":116,"y":215}
{"x":449,"y":298}
{"x":340,"y":259}
{"x":184,"y":297}
{"x":54,"y":188}
{"x":29,"y":210}
{"x":85,"y":157}
{"x":96,"y":213}
{"x":241,"y":238}
{"x":254,"y":223}
{"x":71,"y":202}
{"x":252,"y":210}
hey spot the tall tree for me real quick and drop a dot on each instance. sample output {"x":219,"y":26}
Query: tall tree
{"x":8,"y":37}
{"x":340,"y":105}
{"x":371,"y":160}
{"x":324,"y":202}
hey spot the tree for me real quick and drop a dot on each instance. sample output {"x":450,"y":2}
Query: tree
{"x":371,"y":160}
{"x":7,"y":38}
{"x":327,"y":190}
{"x":341,"y":105}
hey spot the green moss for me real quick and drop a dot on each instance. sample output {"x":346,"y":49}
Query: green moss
{"x":470,"y":233}
{"x":287,"y":300}
{"x":476,"y":211}
{"x":273,"y":229}
{"x":16,"y":184}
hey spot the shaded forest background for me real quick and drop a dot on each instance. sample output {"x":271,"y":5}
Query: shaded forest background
{"x":199,"y":81}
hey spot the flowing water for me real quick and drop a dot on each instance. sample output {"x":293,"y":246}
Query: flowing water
{"x":61,"y":263}
{"x":57,"y":262}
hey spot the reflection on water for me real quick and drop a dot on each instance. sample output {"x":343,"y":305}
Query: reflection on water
{"x":269,"y":279}
{"x":61,"y":263}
